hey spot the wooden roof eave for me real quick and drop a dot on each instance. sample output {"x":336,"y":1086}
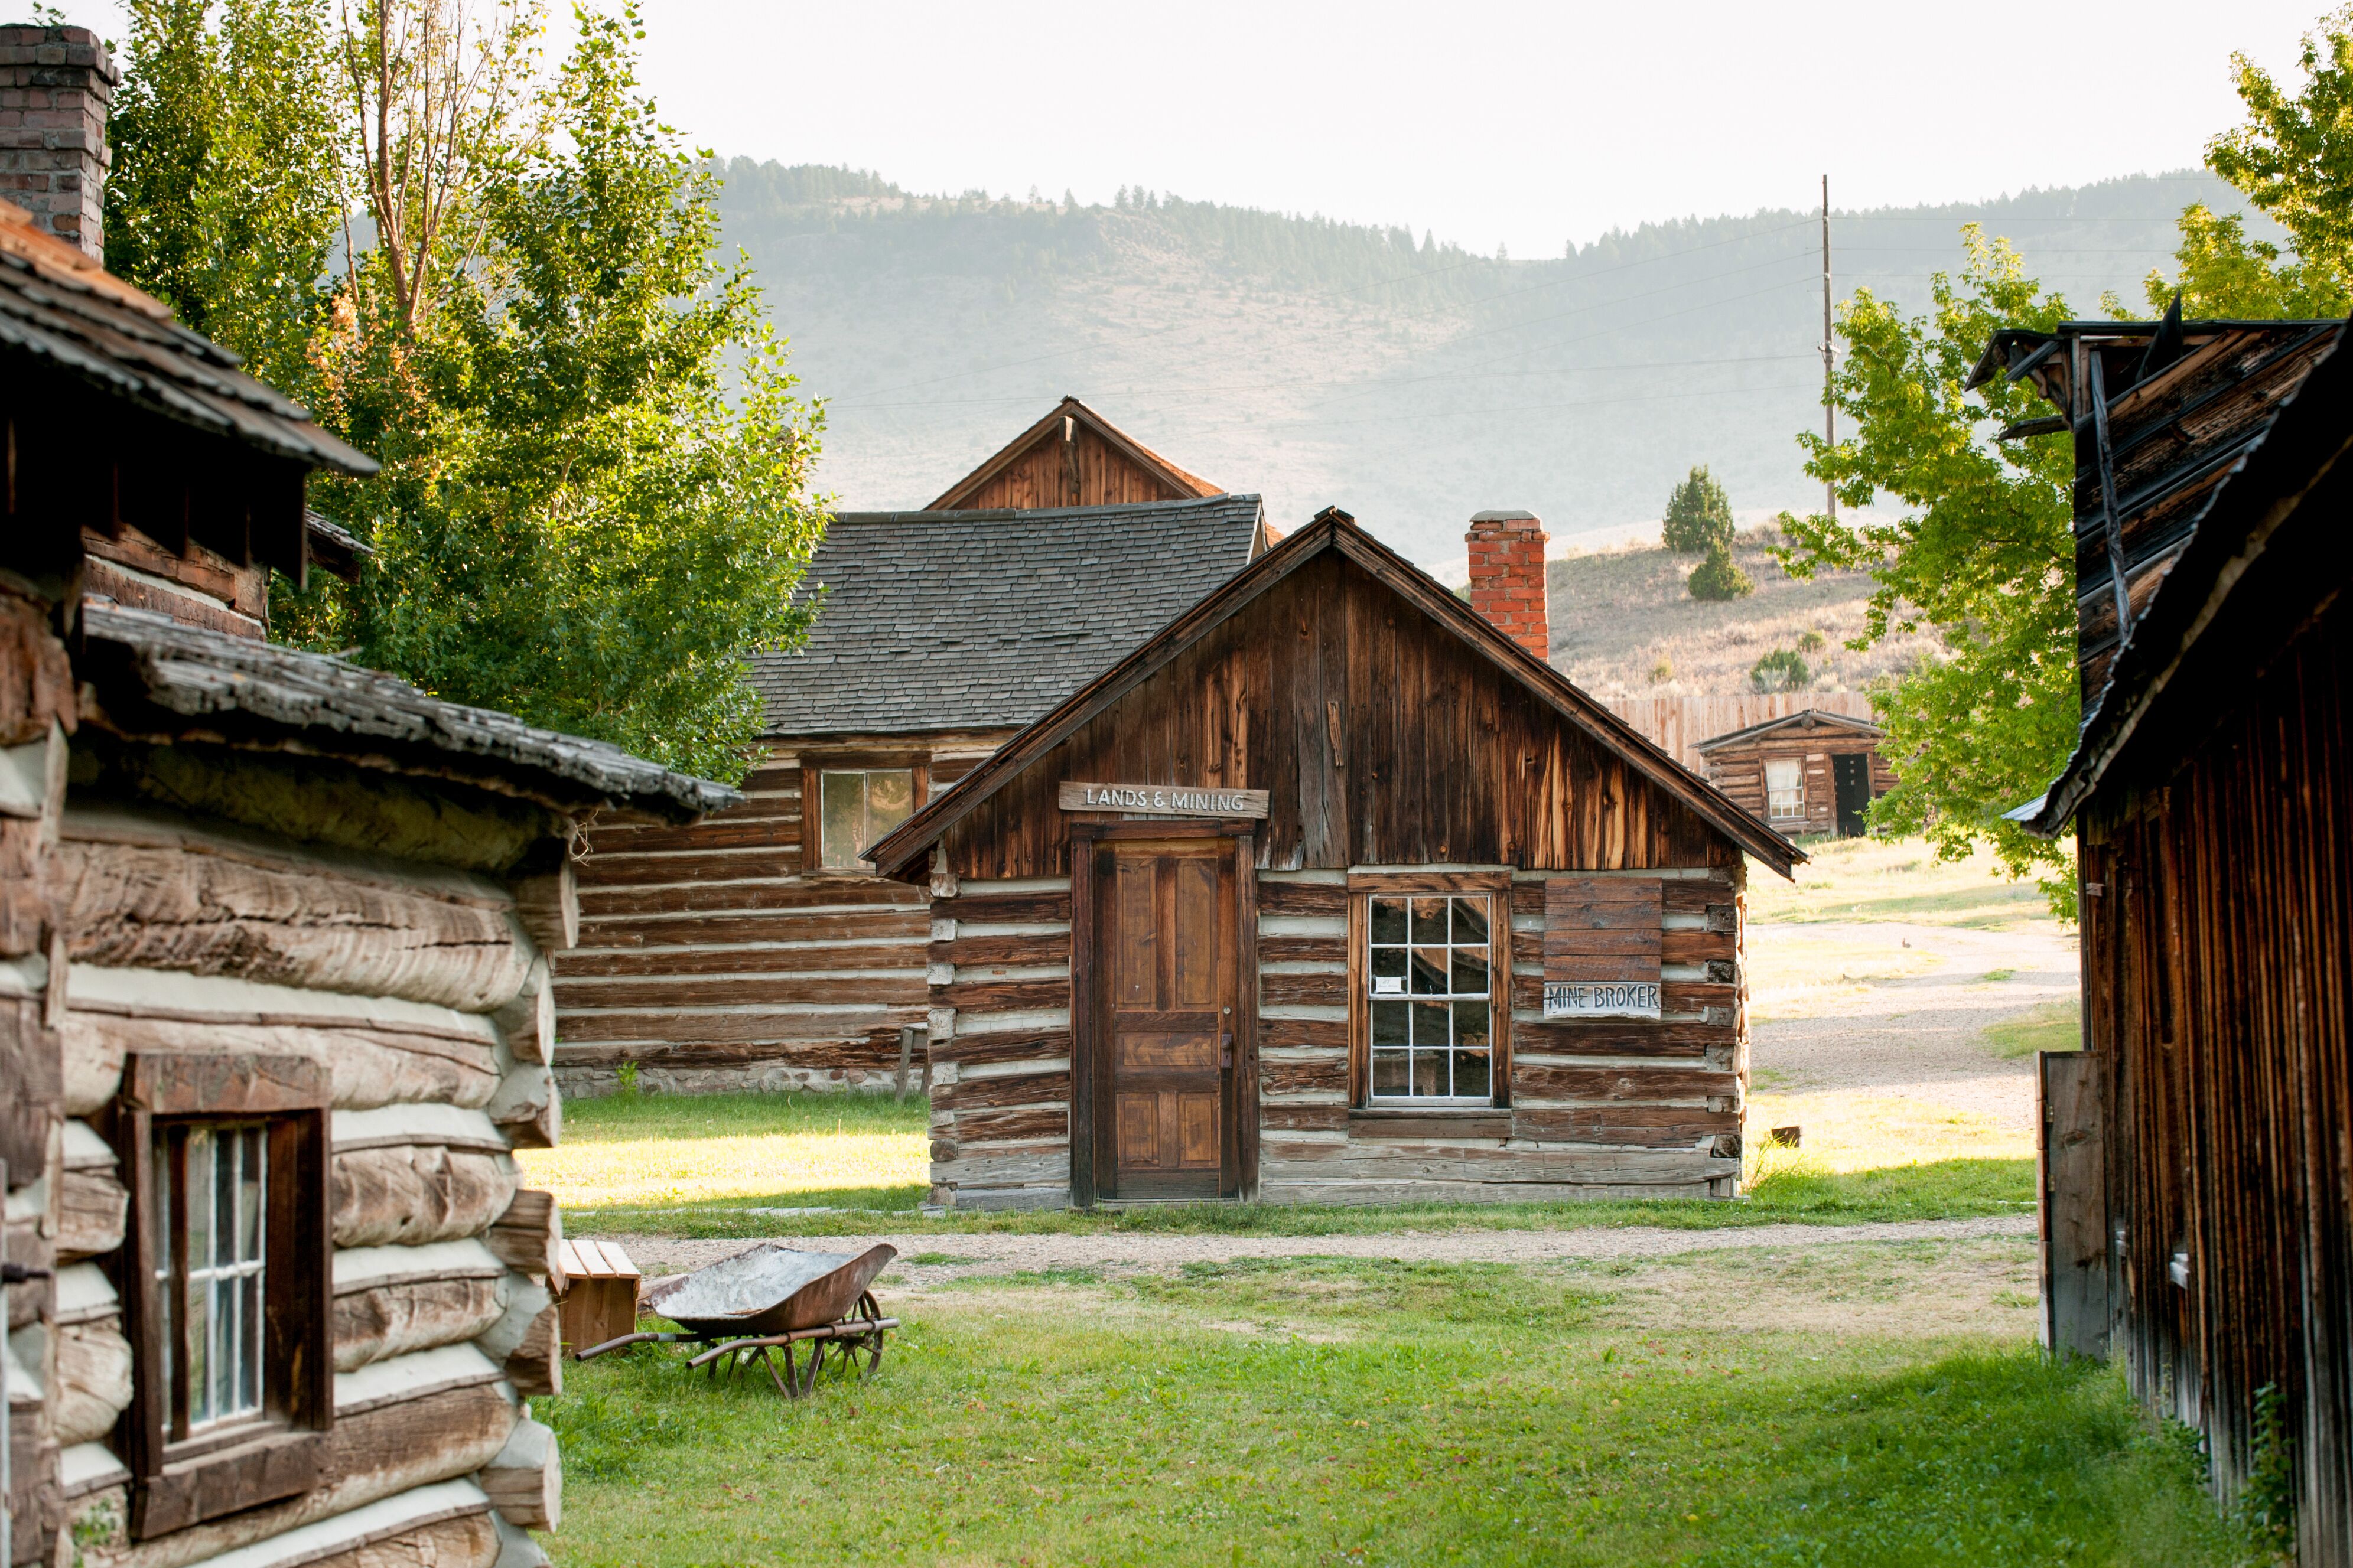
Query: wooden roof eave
{"x":1330,"y":530}
{"x":1844,"y":721}
{"x":1119,"y":440}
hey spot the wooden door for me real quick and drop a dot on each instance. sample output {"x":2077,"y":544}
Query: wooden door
{"x":1164,"y":1019}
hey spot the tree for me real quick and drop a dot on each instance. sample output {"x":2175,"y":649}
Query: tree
{"x":1780,"y":670}
{"x":1699,"y":516}
{"x":1982,"y":551}
{"x":1717,"y":577}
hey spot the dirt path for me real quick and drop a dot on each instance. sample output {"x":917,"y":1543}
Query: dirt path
{"x":949,"y":1257}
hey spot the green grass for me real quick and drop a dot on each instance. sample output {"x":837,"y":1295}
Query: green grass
{"x":1899,"y":879}
{"x":2053,"y":1027}
{"x":1363,"y":1412}
{"x":673,"y":1116}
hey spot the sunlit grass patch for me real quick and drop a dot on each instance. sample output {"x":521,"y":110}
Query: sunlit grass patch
{"x":1896,"y":879}
{"x":2053,"y":1027}
{"x":626,"y":1151}
{"x":1795,"y":971}
{"x":1859,"y":1129}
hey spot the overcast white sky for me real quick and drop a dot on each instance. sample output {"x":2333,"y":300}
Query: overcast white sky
{"x":1527,"y":125}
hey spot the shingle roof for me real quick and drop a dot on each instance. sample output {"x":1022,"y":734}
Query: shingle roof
{"x":948,"y":620}
{"x":1810,"y":718}
{"x":59,"y":305}
{"x":152,"y":672}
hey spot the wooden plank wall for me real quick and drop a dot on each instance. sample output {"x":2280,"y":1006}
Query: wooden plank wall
{"x":1739,"y":771}
{"x":1382,"y":738}
{"x":2219,"y":985}
{"x":1043,"y":476}
{"x":1678,"y":724}
{"x":712,"y":958}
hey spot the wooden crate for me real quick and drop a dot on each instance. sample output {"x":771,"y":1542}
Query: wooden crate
{"x":600,"y":1298}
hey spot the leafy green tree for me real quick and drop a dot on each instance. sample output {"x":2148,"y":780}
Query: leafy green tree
{"x":1980,"y":549}
{"x":1699,"y":516}
{"x":1717,"y":577}
{"x":1780,"y":670}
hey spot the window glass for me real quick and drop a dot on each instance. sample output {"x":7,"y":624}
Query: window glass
{"x":858,"y":806}
{"x":1431,"y":970}
{"x":1785,"y":788}
{"x":211,"y":1182}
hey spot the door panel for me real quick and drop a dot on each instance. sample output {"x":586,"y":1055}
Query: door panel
{"x":1164,"y":1018}
{"x":1852,"y":774}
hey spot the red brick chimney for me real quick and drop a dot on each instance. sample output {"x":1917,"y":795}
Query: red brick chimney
{"x":1507,"y":576}
{"x":57,"y":85}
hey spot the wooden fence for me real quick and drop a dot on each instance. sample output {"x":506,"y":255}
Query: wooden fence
{"x":1679,"y":724}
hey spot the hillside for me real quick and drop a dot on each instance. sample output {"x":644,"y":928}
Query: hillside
{"x":1319,"y":362}
{"x":1623,"y":626}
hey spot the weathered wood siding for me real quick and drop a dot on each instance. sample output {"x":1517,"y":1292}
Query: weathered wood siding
{"x":1000,"y":1043}
{"x":1090,"y":471}
{"x":2217,"y":923}
{"x":1738,"y":771}
{"x":714,"y":957}
{"x":418,"y":991}
{"x":1382,"y":738}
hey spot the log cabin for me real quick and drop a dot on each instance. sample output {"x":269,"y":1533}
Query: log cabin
{"x":1334,"y":892}
{"x":1808,"y":773}
{"x":274,"y":1002}
{"x":2195,"y":1187}
{"x":757,"y":949}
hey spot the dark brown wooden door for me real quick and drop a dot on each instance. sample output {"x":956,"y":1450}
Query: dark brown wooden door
{"x":1163,"y":997}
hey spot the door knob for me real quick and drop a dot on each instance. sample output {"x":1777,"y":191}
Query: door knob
{"x":1225,"y":1050}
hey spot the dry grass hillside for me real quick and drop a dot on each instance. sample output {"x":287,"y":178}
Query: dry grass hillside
{"x":1624,"y":625}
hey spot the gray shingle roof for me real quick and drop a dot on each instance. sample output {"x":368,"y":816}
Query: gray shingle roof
{"x":948,"y":620}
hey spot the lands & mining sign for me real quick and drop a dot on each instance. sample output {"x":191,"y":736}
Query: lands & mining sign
{"x":1163,"y":800}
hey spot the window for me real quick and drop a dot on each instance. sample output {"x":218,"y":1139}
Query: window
{"x":226,"y":1275}
{"x":1785,"y":788}
{"x":857,"y":808}
{"x":1430,"y":998}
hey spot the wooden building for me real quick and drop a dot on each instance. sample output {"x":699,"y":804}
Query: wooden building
{"x":2196,"y":1183}
{"x":274,"y":1005}
{"x":1334,"y":892}
{"x":756,"y":950}
{"x":1073,"y":457}
{"x":1812,"y":773}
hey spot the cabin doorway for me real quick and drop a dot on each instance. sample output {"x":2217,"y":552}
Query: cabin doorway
{"x":1852,"y":773}
{"x":1164,"y":1018}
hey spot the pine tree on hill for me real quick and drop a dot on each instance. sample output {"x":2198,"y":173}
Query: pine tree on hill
{"x":1699,"y":516}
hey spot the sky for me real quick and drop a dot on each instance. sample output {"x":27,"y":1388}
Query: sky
{"x":1523,"y":125}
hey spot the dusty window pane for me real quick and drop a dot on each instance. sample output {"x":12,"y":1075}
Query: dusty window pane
{"x":1429,"y":972}
{"x":1388,"y":1023}
{"x":1429,"y":1025}
{"x":1388,"y":960}
{"x":1471,"y":1022}
{"x":1429,"y":1073}
{"x":1388,"y":920}
{"x":1430,"y":920}
{"x":1470,"y":920}
{"x":844,"y":816}
{"x":1469,"y":971}
{"x":1388,"y":1072}
{"x":889,"y":801}
{"x":1470,"y":1073}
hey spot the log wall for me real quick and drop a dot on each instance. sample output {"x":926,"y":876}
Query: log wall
{"x":417,"y":987}
{"x":712,"y":958}
{"x":1739,"y":771}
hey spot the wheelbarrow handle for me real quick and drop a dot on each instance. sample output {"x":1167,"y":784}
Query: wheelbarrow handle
{"x":626,"y":1339}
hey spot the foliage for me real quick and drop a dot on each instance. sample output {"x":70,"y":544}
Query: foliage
{"x":226,"y":193}
{"x":1779,"y":670}
{"x":1982,"y":553}
{"x":2266,"y":1506}
{"x":1717,"y":578}
{"x":1812,"y":642}
{"x":1699,"y":516}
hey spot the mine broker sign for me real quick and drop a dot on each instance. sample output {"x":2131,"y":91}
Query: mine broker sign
{"x":1163,"y":800}
{"x":1628,"y":999}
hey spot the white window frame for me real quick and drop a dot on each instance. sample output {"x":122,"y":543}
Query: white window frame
{"x":223,"y":1293}
{"x":1794,"y":794}
{"x":1379,"y":1001}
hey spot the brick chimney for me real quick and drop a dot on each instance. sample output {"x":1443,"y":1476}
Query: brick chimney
{"x":1507,"y":576}
{"x":56,"y":87}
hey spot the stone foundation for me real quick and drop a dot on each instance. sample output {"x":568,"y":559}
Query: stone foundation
{"x":763,"y":1078}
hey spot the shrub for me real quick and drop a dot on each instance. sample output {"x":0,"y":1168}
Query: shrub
{"x":1699,"y":516}
{"x":1812,"y":642}
{"x":1717,"y":578}
{"x":1780,"y":670}
{"x":1664,"y":670}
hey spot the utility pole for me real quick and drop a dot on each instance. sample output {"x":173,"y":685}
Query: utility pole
{"x":1830,"y":407}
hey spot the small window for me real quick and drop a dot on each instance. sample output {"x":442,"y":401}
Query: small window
{"x":1431,"y":996}
{"x":1785,"y":788}
{"x":859,"y":806}
{"x":212,"y":1180}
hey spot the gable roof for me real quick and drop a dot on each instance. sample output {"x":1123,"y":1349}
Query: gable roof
{"x":1812,"y":718}
{"x":1050,"y":429}
{"x":59,"y":306}
{"x":2266,"y":553}
{"x":954,"y":620}
{"x":1333,"y":531}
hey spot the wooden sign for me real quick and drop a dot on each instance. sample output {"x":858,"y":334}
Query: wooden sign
{"x":1163,"y":800}
{"x":1601,"y":946}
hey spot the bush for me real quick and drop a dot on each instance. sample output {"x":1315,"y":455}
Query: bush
{"x":1664,"y":670}
{"x":1812,"y":642}
{"x":1780,"y":670}
{"x":1717,"y":578}
{"x":1699,"y":517}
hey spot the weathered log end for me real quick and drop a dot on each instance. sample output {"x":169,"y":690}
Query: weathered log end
{"x":525,"y":1483}
{"x":547,"y":902}
{"x":529,"y":1108}
{"x":535,"y":1366}
{"x":529,"y":1236}
{"x":528,"y":1022}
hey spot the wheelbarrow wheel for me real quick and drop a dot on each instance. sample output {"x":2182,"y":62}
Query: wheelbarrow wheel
{"x":869,"y":1344}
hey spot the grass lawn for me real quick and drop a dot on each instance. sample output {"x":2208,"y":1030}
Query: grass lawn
{"x":2053,"y":1027}
{"x":1893,"y":880}
{"x":697,"y":1165}
{"x":1860,"y":1405}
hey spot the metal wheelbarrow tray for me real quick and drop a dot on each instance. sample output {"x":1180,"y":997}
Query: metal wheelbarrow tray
{"x":765,"y":1304}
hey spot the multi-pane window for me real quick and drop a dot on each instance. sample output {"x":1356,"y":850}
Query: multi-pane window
{"x":1430,"y":970}
{"x":857,"y":808}
{"x":212,"y":1182}
{"x":1785,"y":788}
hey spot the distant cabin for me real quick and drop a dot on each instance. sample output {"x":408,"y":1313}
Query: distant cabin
{"x":1806,"y":773}
{"x":757,"y":949}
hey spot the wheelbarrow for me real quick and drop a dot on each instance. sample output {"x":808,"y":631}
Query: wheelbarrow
{"x":788,"y":1313}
